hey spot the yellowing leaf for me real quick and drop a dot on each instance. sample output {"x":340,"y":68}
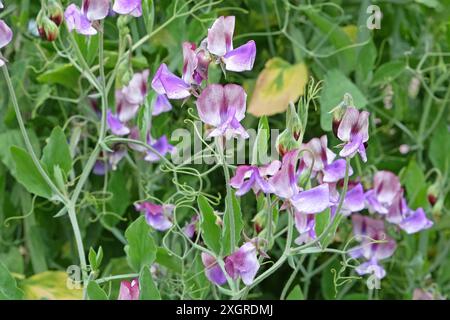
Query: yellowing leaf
{"x":49,"y":285}
{"x":277,"y":85}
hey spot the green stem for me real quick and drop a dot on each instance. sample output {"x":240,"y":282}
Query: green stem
{"x":117,"y":277}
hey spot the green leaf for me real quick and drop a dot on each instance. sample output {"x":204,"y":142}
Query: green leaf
{"x":49,"y":285}
{"x":336,"y":84}
{"x":95,"y":292}
{"x":415,"y":184}
{"x":57,"y":152}
{"x":296,"y":294}
{"x":148,"y":12}
{"x":28,"y":175}
{"x":387,"y":72}
{"x":148,"y":289}
{"x":14,"y":138}
{"x":119,"y":199}
{"x":238,"y":225}
{"x":322,"y":221}
{"x":66,"y":75}
{"x":209,"y":229}
{"x":439,"y":148}
{"x":168,"y":260}
{"x":8,"y":285}
{"x":95,"y":259}
{"x":141,"y":249}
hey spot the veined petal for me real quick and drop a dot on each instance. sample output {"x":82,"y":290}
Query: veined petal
{"x":351,"y":147}
{"x":349,"y":120}
{"x":335,"y":171}
{"x":241,"y":58}
{"x":314,"y":200}
{"x":387,"y":186}
{"x":136,"y":91}
{"x":212,"y":269}
{"x":235,"y":97}
{"x":95,"y":9}
{"x":190,"y":62}
{"x":129,"y":290}
{"x":354,"y":199}
{"x":284,"y":182}
{"x":210,"y":103}
{"x":6,"y":34}
{"x":371,"y":268}
{"x":220,"y":36}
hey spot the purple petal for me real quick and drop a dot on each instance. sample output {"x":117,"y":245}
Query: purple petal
{"x":78,"y":21}
{"x":95,"y":9}
{"x":354,"y":199}
{"x":162,"y":146}
{"x":100,"y":168}
{"x":155,"y":215}
{"x":235,"y":97}
{"x":131,"y":7}
{"x":318,"y":153}
{"x":6,"y":34}
{"x":136,"y":91}
{"x":115,"y":125}
{"x":335,"y":171}
{"x":220,"y":36}
{"x":284,"y":182}
{"x":269,"y":169}
{"x":165,"y":82}
{"x":415,"y":222}
{"x":365,"y":226}
{"x":244,"y":263}
{"x":305,"y":225}
{"x":386,"y":185}
{"x":242,"y":58}
{"x":161,"y":105}
{"x":351,"y":147}
{"x":116,"y":156}
{"x":125,"y":110}
{"x":242,"y":173}
{"x":211,"y":103}
{"x":314,"y":200}
{"x":190,"y":62}
{"x":212,"y":270}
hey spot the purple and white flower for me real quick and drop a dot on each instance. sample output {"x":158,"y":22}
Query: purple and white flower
{"x":353,"y":130}
{"x":212,"y":270}
{"x":223,"y":107}
{"x":305,"y":225}
{"x":6,"y":35}
{"x":375,"y":245}
{"x":220,"y":44}
{"x":252,"y":177}
{"x":157,"y":216}
{"x":386,"y":186}
{"x":81,"y":20}
{"x":243,"y":263}
{"x":131,"y":7}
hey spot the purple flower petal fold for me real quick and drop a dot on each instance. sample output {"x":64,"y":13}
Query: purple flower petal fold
{"x":212,"y":270}
{"x":241,"y":58}
{"x":314,"y":200}
{"x":415,"y":221}
{"x":115,"y":125}
{"x":243,"y":263}
{"x":77,"y":21}
{"x":162,"y":146}
{"x":165,"y":82}
{"x":354,"y":131}
{"x":284,"y":182}
{"x":161,"y":105}
{"x":305,"y":225}
{"x":95,"y":9}
{"x":157,"y":216}
{"x":6,"y":34}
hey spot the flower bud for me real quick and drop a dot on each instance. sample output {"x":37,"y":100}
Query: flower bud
{"x":294,"y":124}
{"x":48,"y":30}
{"x":55,"y":12}
{"x":286,"y":142}
{"x":124,"y":74}
{"x":433,"y":193}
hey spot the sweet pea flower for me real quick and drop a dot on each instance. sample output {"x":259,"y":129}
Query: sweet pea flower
{"x":386,"y":186}
{"x":5,"y":37}
{"x":129,"y":290}
{"x":110,"y":160}
{"x":161,"y":145}
{"x":190,"y":228}
{"x":284,"y":184}
{"x":322,"y":160}
{"x":128,"y":101}
{"x":157,"y":216}
{"x":220,"y":44}
{"x":212,"y":270}
{"x":353,"y":130}
{"x":253,"y":177}
{"x":223,"y":107}
{"x":131,"y":7}
{"x":375,"y":245}
{"x":409,"y":220}
{"x":82,"y":20}
{"x":243,"y":263}
{"x":305,"y":225}
{"x":195,"y":64}
{"x":161,"y":104}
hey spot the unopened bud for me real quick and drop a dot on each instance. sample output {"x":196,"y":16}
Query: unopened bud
{"x":433,"y":193}
{"x":55,"y":12}
{"x":293,"y":122}
{"x":286,"y":142}
{"x":48,"y":30}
